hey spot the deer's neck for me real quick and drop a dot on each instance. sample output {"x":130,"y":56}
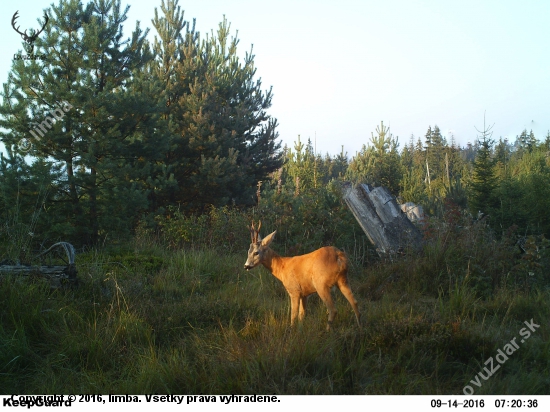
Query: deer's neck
{"x":274,"y":263}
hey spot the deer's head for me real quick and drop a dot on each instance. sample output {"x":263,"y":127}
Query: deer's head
{"x":258,"y":247}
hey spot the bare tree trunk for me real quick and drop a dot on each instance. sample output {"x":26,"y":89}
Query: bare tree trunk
{"x":94,"y":235}
{"x":447,"y":169}
{"x":428,"y":174}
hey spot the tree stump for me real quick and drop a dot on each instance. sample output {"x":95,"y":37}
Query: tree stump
{"x":382,"y":220}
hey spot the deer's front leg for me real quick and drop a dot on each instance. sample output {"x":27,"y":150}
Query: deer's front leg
{"x":294,"y":304}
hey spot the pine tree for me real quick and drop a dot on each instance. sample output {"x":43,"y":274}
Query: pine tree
{"x":300,"y":164}
{"x":378,"y":164}
{"x":82,"y":112}
{"x":220,"y":140}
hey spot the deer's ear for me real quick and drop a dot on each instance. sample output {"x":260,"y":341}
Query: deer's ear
{"x":268,"y":239}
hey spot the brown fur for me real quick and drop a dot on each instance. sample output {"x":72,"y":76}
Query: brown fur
{"x":315,"y":272}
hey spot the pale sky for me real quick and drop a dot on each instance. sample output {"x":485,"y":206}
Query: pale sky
{"x":338,"y":68}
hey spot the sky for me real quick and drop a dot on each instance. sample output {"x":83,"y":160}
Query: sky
{"x":339,"y":68}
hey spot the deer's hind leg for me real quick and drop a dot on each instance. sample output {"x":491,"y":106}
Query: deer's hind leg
{"x":348,"y":294}
{"x":326,"y":297}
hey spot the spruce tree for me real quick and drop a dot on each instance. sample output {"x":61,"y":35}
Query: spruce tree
{"x":339,"y":164}
{"x":526,"y":141}
{"x":414,"y":171}
{"x":483,"y":184}
{"x":435,"y":153}
{"x":502,"y":157}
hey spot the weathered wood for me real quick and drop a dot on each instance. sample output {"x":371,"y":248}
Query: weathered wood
{"x":382,"y":220}
{"x":56,"y":274}
{"x":414,"y":212}
{"x":67,"y":247}
{"x":24,"y":269}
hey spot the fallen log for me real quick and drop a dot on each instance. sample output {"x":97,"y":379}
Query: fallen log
{"x":382,"y":220}
{"x":58,"y":275}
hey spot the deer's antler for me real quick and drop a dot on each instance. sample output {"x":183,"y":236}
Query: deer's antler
{"x":255,"y":233}
{"x":252,"y":232}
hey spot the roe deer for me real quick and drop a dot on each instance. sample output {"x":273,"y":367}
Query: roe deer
{"x":303,"y":275}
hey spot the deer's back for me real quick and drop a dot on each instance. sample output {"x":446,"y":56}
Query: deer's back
{"x":321,"y":267}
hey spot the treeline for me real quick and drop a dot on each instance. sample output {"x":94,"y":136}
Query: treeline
{"x":505,"y":183}
{"x":174,"y":137}
{"x":504,"y":187}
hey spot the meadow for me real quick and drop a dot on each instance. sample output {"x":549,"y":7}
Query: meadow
{"x":152,"y":316}
{"x":168,"y":155}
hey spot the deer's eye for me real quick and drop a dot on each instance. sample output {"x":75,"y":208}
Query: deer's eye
{"x":256,"y":253}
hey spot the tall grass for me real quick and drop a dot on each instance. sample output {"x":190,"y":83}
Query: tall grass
{"x":156,"y":316}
